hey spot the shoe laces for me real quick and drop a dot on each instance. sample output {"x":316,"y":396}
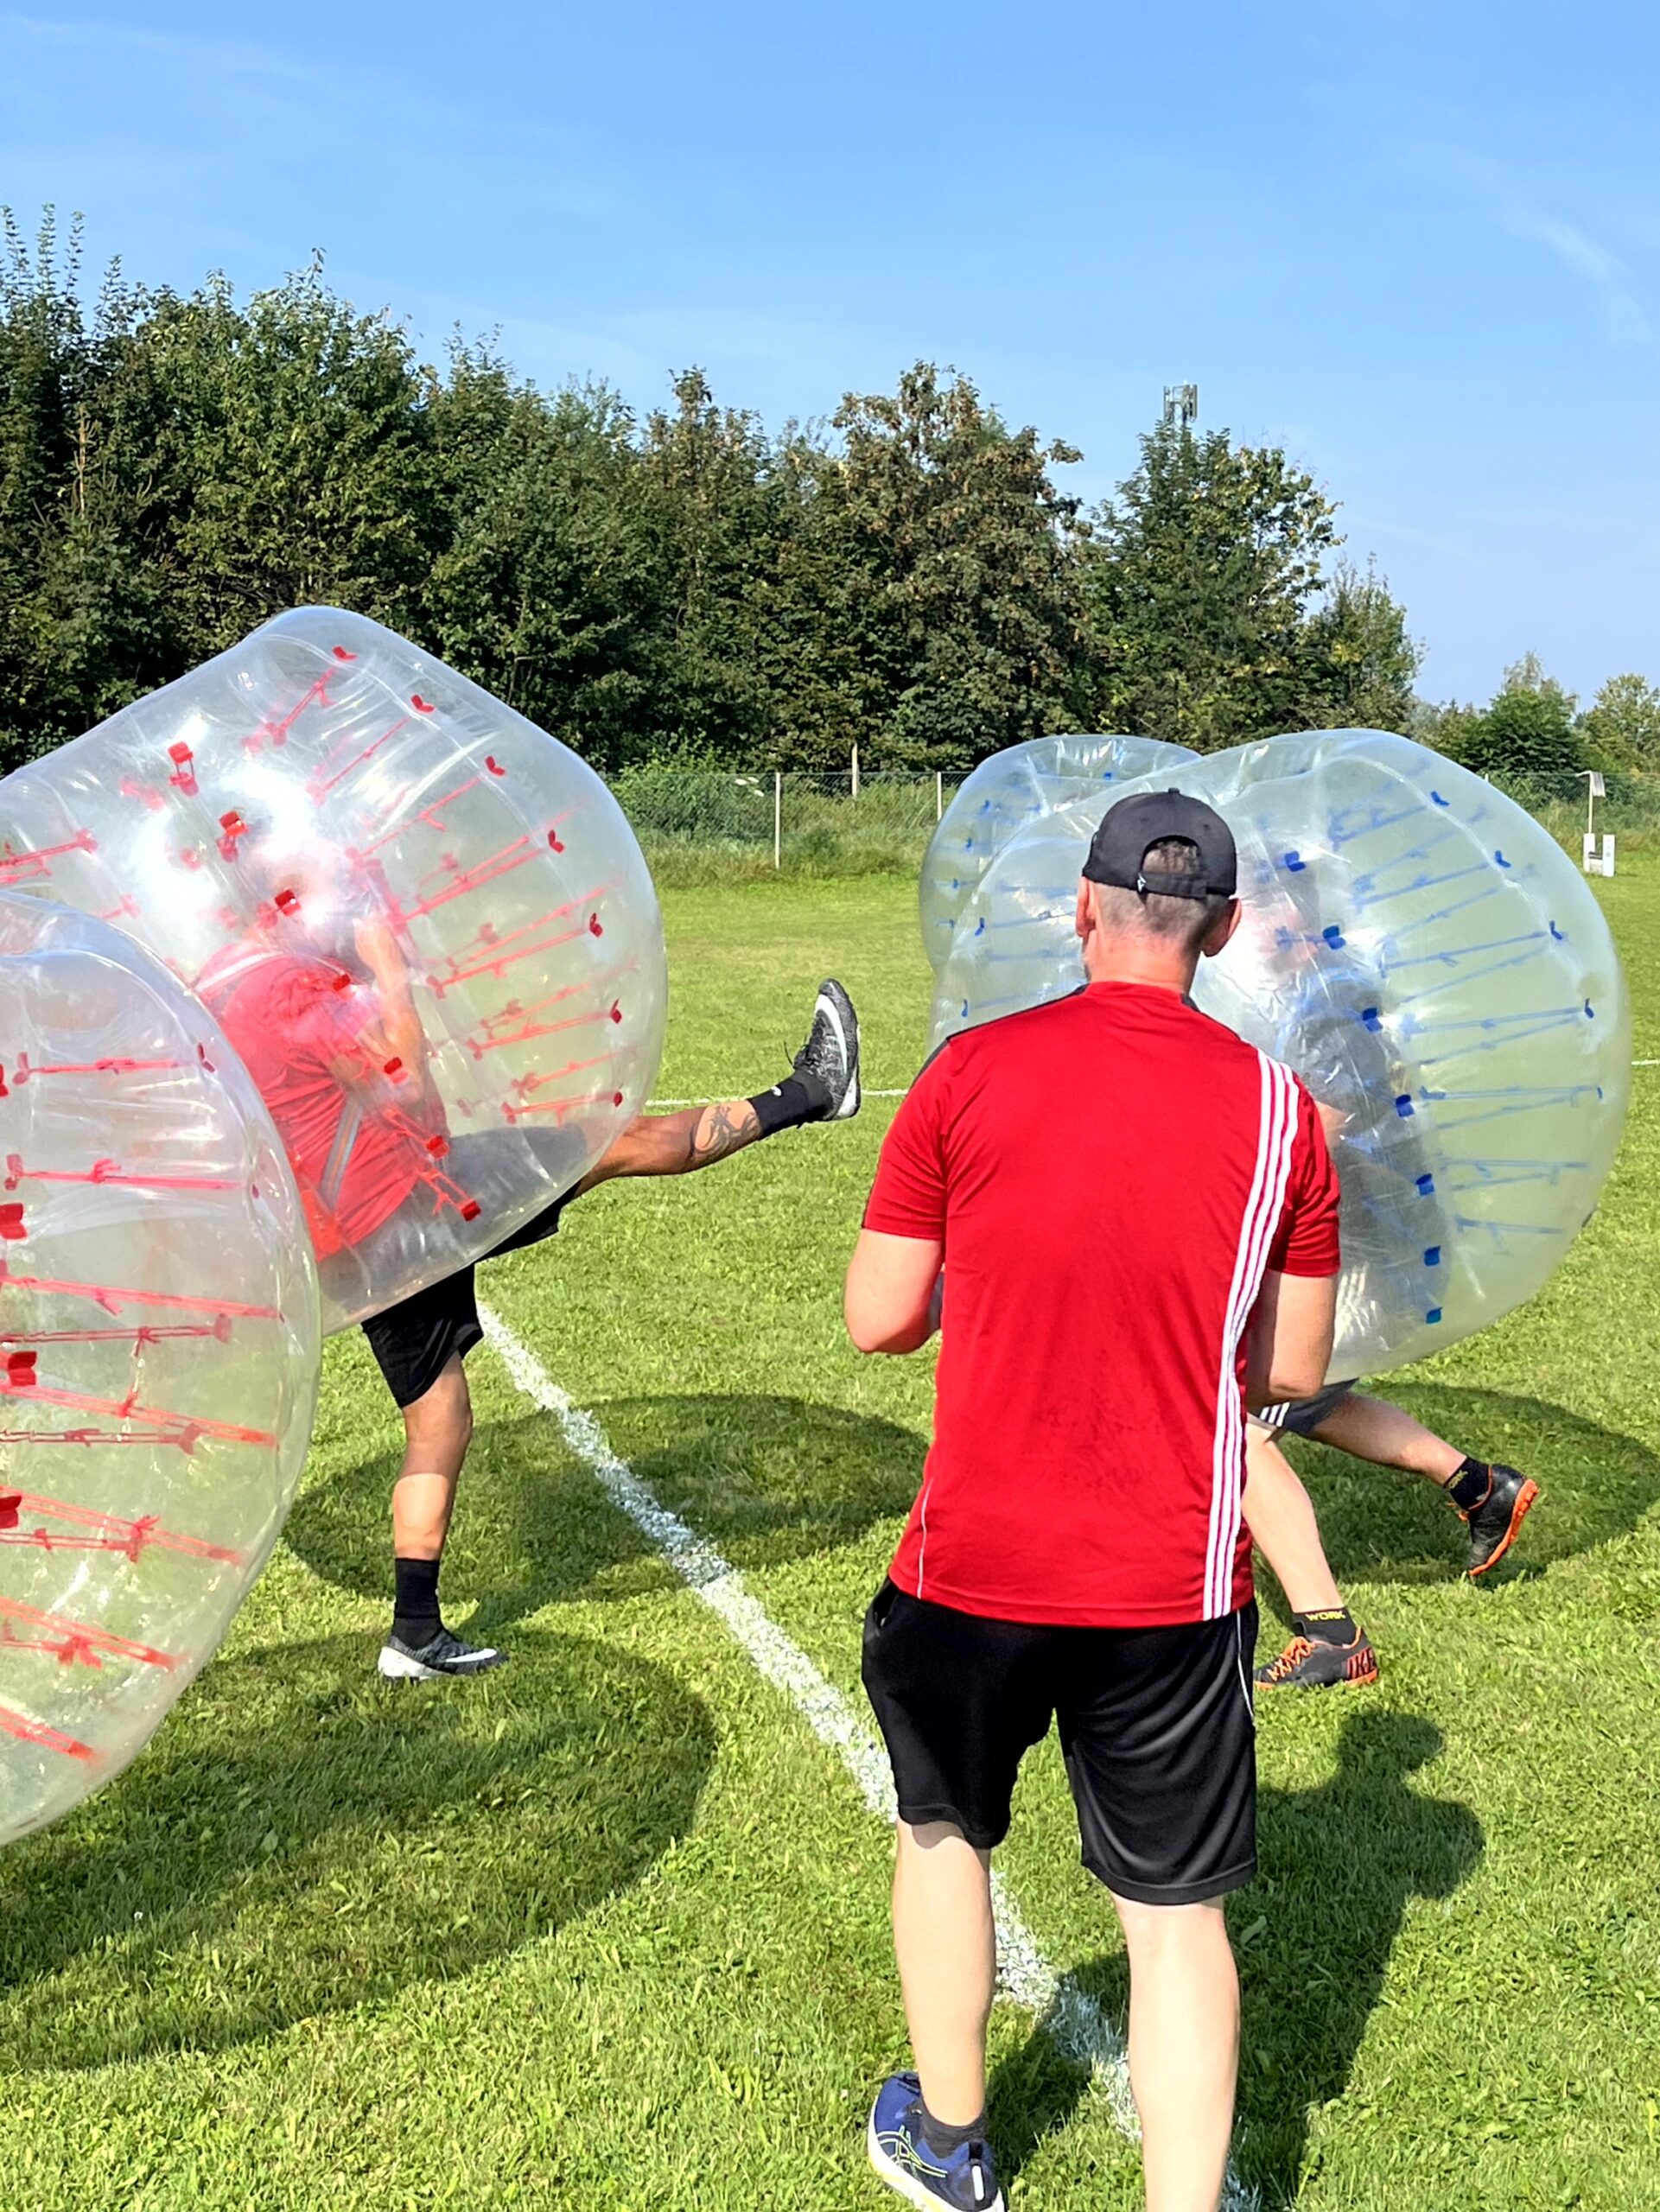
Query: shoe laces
{"x":1290,"y":1659}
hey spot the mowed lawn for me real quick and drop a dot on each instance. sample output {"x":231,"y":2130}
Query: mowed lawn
{"x":608,"y":1928}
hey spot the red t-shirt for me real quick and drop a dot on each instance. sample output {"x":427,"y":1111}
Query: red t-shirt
{"x":1111,"y":1175}
{"x":293,"y":1026}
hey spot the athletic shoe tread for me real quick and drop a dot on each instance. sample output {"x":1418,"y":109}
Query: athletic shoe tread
{"x":830,"y":1054}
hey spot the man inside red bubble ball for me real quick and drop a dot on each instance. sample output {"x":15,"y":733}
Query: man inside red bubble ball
{"x":317,"y":1000}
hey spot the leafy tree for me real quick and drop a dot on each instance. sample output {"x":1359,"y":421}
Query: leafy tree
{"x":1361,"y":661}
{"x":550,"y":587}
{"x":1527,"y":734}
{"x":1621,"y":727}
{"x":954,"y":602}
{"x":174,"y":468}
{"x":1451,"y":728}
{"x":1529,"y":674}
{"x":290,"y":452}
{"x":83,"y":616}
{"x":1198,"y":582}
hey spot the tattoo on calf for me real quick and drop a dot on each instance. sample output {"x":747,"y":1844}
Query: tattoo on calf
{"x":723,"y":1128}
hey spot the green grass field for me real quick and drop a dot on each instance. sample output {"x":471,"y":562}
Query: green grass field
{"x":608,"y":1928}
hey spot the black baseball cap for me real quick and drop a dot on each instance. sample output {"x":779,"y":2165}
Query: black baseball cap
{"x":1133,"y":824}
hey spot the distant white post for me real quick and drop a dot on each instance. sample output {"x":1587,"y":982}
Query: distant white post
{"x":855,"y":772}
{"x":778,"y":817}
{"x":939,"y":792}
{"x":1595,"y":788}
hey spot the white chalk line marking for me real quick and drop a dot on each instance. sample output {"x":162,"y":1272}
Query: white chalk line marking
{"x":1069,"y":2016}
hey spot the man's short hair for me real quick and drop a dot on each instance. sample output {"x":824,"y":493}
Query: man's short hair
{"x":1184,"y":922}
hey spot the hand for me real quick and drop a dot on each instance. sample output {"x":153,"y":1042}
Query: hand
{"x":380,"y":953}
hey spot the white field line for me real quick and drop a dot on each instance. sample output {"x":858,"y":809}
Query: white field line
{"x":1069,"y":2016}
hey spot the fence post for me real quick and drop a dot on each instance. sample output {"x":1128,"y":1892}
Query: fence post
{"x":778,"y":817}
{"x":855,"y":772}
{"x":940,"y":793}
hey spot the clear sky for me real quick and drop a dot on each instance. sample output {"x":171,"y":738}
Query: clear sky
{"x":1417,"y":241}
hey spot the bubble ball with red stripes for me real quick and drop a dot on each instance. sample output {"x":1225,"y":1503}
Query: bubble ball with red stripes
{"x":424,"y":923}
{"x":1428,"y":958}
{"x":159,"y":1336}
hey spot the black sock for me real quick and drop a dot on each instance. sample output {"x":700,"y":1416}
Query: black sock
{"x":1470,"y":1485}
{"x":416,"y":1618}
{"x":943,"y":2140}
{"x":1328,"y":1626}
{"x":798,"y":1098}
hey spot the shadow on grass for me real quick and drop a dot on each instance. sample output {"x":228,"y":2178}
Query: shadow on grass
{"x":300,"y":1839}
{"x":765,"y":1479}
{"x":1339,"y":1867}
{"x":1381,"y":1526}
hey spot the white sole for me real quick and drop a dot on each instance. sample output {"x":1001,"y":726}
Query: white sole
{"x":906,"y":2185}
{"x":398,"y":1667}
{"x":850,"y":1105}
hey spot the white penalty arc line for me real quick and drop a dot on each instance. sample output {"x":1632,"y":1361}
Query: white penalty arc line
{"x":1069,"y":2016}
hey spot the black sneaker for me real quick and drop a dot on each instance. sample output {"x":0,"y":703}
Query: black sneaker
{"x":1309,"y":1663}
{"x":830,"y":1054}
{"x":444,"y":1654}
{"x":1495,"y":1524}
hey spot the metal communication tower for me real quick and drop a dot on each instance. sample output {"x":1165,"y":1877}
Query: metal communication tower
{"x":1181,"y":404}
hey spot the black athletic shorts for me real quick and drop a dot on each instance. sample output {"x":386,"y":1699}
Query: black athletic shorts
{"x":414,"y":1340}
{"x":1155,"y":1724}
{"x":1302,"y":1416}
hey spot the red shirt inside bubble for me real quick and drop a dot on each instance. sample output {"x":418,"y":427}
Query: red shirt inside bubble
{"x":298,"y":1033}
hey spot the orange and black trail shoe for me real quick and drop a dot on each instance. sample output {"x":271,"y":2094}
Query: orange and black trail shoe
{"x":1495,"y":1519}
{"x":1314,"y":1660}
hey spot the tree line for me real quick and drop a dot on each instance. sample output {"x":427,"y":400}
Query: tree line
{"x":175,"y":468}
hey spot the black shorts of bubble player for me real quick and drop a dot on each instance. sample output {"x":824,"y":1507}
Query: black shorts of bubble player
{"x":421,"y":1343}
{"x":1155,"y":1726}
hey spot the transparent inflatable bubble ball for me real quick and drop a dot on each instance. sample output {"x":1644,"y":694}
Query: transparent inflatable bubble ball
{"x":159,"y":1340}
{"x":1432,"y":963}
{"x":1006,"y":793}
{"x":423,"y":922}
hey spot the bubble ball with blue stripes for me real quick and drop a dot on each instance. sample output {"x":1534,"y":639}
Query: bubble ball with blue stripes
{"x":1418,"y":948}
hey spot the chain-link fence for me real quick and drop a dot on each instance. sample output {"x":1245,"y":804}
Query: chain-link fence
{"x":1617,"y":803}
{"x":699,"y":824}
{"x":708,"y":824}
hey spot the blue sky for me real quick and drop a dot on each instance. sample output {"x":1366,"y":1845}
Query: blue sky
{"x":1418,"y":244}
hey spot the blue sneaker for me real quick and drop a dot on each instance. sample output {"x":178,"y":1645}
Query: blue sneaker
{"x":966,"y":2181}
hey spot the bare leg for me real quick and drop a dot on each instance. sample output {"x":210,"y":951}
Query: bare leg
{"x":946,"y":1948}
{"x":437,"y":1429}
{"x":1371,"y":1428}
{"x":677,"y":1144}
{"x":1184,"y":2049}
{"x":1280,"y":1515}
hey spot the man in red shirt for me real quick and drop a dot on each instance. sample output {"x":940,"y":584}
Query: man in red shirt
{"x":319,"y":1006}
{"x":1136,"y":1216}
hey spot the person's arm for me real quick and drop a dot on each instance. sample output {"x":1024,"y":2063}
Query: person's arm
{"x":396,"y":1034}
{"x":1289,"y":1345}
{"x":892,"y":1301}
{"x":893,"y":1284}
{"x":1288,"y":1338}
